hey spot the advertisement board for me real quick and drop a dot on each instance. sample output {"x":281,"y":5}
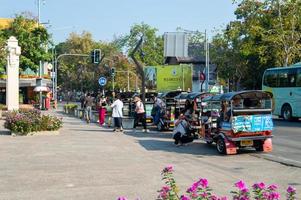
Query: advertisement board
{"x":252,"y":123}
{"x":168,"y":77}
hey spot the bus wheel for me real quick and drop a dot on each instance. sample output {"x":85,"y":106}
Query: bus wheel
{"x":287,"y":112}
{"x":220,"y":145}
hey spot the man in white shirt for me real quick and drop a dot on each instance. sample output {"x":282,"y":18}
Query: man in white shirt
{"x":117,"y":113}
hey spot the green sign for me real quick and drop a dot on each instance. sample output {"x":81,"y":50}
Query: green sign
{"x":168,"y":77}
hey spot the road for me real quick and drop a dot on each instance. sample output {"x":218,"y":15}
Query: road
{"x":89,"y":162}
{"x":286,"y":143}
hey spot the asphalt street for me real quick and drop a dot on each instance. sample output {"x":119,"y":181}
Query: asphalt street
{"x":90,"y":162}
{"x":286,"y":143}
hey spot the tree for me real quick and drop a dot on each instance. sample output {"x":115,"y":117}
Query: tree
{"x":265,"y":34}
{"x":32,"y":38}
{"x":2,"y":53}
{"x":82,"y":75}
{"x":76,"y":69}
{"x":151,"y":53}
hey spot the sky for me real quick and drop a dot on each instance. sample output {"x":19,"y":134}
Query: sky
{"x":108,"y":18}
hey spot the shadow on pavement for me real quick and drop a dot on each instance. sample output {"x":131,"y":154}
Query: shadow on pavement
{"x":194,"y":148}
{"x":152,"y":134}
{"x":158,"y":142}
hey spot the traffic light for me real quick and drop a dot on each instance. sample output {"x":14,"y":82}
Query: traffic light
{"x":112,"y":71}
{"x":95,"y":56}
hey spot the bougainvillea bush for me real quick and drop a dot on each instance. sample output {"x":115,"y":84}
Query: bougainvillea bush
{"x":200,"y":190}
{"x":23,"y":122}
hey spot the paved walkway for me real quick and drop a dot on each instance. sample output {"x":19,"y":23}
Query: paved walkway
{"x":88,"y":162}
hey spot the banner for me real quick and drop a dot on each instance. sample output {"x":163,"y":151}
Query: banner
{"x":168,"y":77}
{"x":252,"y":123}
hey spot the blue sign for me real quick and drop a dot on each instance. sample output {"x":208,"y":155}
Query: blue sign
{"x":102,"y":81}
{"x":252,"y":123}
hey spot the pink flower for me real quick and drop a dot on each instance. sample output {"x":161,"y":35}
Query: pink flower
{"x":122,"y":198}
{"x":168,"y":168}
{"x":291,"y":189}
{"x":204,"y":195}
{"x":165,"y":188}
{"x":260,"y":186}
{"x":203,"y":182}
{"x":223,"y":198}
{"x":194,"y":195}
{"x":245,"y":190}
{"x":214,"y":197}
{"x":244,"y":198}
{"x":240,"y":185}
{"x":164,"y":192}
{"x":183,"y":197}
{"x":193,"y":188}
{"x":273,"y":187}
{"x":274,"y":196}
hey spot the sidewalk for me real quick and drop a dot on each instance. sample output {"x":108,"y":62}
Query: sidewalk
{"x":89,"y":162}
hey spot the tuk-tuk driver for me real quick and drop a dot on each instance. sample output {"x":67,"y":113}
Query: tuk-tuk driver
{"x":235,"y":104}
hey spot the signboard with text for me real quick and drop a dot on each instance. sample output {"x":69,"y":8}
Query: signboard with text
{"x":252,"y":123}
{"x":168,"y":77}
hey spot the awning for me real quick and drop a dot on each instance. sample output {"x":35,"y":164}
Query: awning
{"x":41,"y":89}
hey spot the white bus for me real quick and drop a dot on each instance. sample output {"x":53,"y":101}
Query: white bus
{"x":285,"y":84}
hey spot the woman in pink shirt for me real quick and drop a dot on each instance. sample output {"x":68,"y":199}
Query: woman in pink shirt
{"x":139,"y":114}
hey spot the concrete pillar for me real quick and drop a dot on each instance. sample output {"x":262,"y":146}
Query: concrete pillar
{"x":12,"y":71}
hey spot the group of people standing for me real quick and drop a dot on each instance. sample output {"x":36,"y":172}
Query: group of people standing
{"x":114,"y":109}
{"x":104,"y":106}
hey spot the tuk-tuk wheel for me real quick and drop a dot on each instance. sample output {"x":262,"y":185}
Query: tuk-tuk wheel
{"x":221,"y":146}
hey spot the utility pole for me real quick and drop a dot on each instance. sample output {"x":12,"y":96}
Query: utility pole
{"x":39,"y":11}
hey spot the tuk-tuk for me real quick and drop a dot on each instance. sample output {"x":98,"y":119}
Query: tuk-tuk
{"x":238,"y":120}
{"x":167,"y":121}
{"x":194,"y":98}
{"x":127,"y":98}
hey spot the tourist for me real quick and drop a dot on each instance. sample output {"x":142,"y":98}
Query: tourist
{"x":88,"y":109}
{"x":117,"y":113}
{"x":102,"y":102}
{"x":139,"y":114}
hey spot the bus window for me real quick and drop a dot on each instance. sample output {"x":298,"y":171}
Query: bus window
{"x":292,"y":75}
{"x":270,"y":79}
{"x":283,"y":78}
{"x":298,"y":78}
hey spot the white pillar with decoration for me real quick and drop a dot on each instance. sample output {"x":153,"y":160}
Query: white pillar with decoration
{"x":12,"y":71}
